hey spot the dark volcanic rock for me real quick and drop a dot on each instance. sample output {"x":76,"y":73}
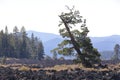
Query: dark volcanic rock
{"x":76,"y":74}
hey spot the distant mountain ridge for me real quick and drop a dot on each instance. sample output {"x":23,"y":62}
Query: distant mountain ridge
{"x":43,"y":36}
{"x":105,"y":43}
{"x":51,"y":40}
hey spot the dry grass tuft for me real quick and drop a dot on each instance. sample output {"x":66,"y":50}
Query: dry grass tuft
{"x":64,"y":67}
{"x":24,"y":68}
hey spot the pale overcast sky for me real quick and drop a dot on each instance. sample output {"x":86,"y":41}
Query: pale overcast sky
{"x":103,"y":16}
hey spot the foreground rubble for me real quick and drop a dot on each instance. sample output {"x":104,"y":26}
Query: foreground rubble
{"x":111,"y":73}
{"x":62,"y":70}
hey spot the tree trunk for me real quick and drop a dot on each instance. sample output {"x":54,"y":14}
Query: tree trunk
{"x":76,"y":46}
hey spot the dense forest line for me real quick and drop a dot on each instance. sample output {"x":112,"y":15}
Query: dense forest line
{"x":18,"y":45}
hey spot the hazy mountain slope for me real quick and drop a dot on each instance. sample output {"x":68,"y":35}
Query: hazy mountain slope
{"x":106,"y":55}
{"x":51,"y":44}
{"x":43,"y":36}
{"x":103,"y":44}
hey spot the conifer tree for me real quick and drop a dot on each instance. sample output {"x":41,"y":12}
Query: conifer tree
{"x":116,"y":52}
{"x":40,"y":52}
{"x":23,"y":48}
{"x":33,"y":53}
{"x":76,"y":41}
{"x":19,"y":45}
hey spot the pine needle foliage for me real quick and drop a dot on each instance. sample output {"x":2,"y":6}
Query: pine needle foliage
{"x":76,"y":42}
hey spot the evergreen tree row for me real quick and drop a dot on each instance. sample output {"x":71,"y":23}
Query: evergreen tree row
{"x":19,"y":45}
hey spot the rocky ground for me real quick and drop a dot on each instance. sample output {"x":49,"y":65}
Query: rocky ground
{"x":7,"y":73}
{"x":61,"y":72}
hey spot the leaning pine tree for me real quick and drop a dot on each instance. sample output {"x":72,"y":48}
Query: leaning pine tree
{"x":76,"y":42}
